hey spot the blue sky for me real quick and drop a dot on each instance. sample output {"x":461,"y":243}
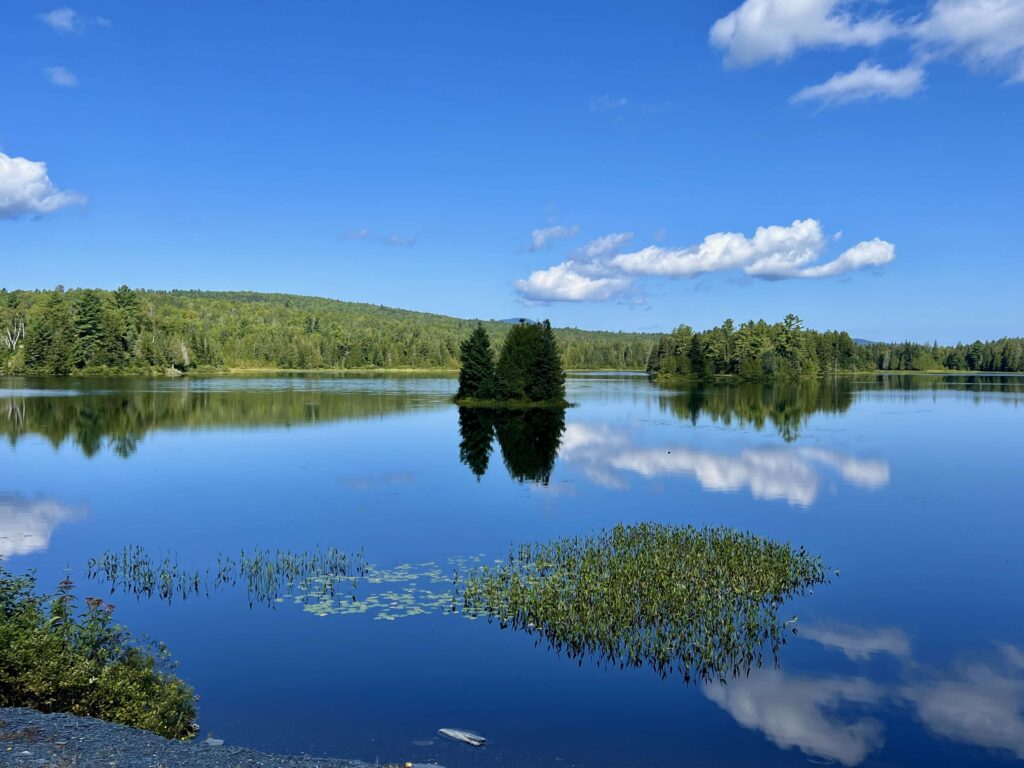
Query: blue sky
{"x":468,"y":158}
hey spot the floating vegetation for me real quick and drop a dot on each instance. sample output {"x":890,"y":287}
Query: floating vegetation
{"x":323,"y":582}
{"x":700,"y":602}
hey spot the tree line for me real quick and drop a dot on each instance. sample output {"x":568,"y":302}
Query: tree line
{"x":757,"y":350}
{"x":62,"y":332}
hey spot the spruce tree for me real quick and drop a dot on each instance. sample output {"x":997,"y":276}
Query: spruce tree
{"x":549,"y":377}
{"x":530,"y":366}
{"x":515,"y":363}
{"x":476,"y":376}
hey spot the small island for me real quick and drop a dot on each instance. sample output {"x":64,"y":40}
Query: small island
{"x":528,"y":373}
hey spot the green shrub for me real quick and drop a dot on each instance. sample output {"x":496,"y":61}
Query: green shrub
{"x":57,"y":658}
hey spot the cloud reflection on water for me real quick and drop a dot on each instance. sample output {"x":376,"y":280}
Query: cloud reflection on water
{"x":795,"y":474}
{"x":802,"y":712}
{"x":27,"y":524}
{"x":979,"y":704}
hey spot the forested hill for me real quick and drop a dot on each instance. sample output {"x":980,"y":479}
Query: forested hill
{"x":82,"y":330}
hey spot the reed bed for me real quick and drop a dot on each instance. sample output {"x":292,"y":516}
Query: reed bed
{"x":703,"y":603}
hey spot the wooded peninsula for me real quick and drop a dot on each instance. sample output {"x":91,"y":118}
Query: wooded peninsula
{"x":86,"y":331}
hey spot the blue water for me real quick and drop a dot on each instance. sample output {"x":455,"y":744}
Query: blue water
{"x":913,"y":655}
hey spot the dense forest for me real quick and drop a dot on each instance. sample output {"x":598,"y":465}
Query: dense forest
{"x":137,"y":331}
{"x":759,"y":350}
{"x":93,"y":331}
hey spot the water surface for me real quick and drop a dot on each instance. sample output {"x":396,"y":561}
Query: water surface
{"x":910,"y":486}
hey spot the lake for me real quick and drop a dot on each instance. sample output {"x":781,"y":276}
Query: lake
{"x":910,"y":486}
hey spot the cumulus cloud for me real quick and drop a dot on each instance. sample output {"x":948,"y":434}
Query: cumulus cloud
{"x":986,"y":35}
{"x":62,"y":77}
{"x":61,"y":19}
{"x":773,"y":253}
{"x":805,"y":712}
{"x":570,"y":281}
{"x":26,"y":189}
{"x":773,"y":30}
{"x":858,"y":643}
{"x":867,"y":81}
{"x":27,"y":524}
{"x":606,"y":245}
{"x":541,"y":237}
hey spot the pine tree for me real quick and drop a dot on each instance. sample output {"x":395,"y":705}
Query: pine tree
{"x":476,"y":376}
{"x":549,"y":377}
{"x":88,"y":329}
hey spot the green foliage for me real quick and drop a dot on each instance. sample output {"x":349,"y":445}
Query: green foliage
{"x":94,"y":331}
{"x":476,"y":374}
{"x":758,"y":351}
{"x":700,"y":602}
{"x":529,"y":366}
{"x":54,"y":658}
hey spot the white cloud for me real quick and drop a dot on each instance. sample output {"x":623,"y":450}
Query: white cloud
{"x":867,"y":81}
{"x":804,"y":712}
{"x":570,"y":281}
{"x":26,"y":189}
{"x":26,"y":525}
{"x":763,"y":30}
{"x":61,"y":76}
{"x":857,"y":643}
{"x":986,"y":34}
{"x":61,"y":19}
{"x":870,"y":253}
{"x":357,"y":234}
{"x":606,"y":245}
{"x":541,"y":237}
{"x":773,"y":253}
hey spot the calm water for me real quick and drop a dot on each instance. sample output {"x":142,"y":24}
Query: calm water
{"x":912,"y":487}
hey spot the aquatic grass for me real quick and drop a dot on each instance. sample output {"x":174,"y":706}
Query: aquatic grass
{"x":324,"y":582}
{"x":702,"y":603}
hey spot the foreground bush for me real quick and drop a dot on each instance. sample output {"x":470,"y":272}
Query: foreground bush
{"x":57,"y":658}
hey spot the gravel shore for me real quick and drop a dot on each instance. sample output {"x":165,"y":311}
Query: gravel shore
{"x":30,"y":739}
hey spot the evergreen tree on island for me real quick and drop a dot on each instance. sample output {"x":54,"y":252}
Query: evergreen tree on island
{"x":528,"y":371}
{"x":476,"y":376}
{"x":529,"y":367}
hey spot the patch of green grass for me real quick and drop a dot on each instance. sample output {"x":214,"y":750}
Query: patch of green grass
{"x":56,"y":657}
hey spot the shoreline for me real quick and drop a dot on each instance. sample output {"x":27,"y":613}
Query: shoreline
{"x":31,"y":738}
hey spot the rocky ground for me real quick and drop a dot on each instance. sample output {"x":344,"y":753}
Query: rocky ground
{"x":30,"y":739}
